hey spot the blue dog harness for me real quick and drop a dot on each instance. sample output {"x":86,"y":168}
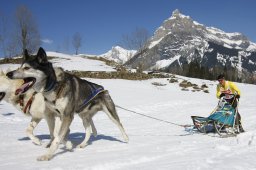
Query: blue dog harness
{"x":94,"y":92}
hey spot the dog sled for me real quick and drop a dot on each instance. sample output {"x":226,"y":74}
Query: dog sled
{"x":222,"y":120}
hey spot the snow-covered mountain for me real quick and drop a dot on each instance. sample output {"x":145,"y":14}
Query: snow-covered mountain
{"x":118,"y":54}
{"x":180,"y":40}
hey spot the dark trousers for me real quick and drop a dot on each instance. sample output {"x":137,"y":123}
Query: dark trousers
{"x":238,"y":122}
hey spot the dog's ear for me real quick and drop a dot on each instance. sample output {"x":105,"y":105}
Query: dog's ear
{"x":41,"y":56}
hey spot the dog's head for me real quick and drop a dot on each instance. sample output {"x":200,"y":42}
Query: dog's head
{"x":8,"y":87}
{"x":36,"y":71}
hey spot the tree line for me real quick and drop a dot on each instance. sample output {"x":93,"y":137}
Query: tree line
{"x":196,"y":70}
{"x":23,"y":33}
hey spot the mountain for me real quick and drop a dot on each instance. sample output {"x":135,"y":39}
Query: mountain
{"x":180,"y":40}
{"x":118,"y":54}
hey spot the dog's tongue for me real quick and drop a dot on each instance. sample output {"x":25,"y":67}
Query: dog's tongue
{"x":22,"y":88}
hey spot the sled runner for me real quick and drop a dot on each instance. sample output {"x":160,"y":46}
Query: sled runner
{"x":222,"y":120}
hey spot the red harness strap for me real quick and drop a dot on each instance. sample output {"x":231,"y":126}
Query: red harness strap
{"x":28,"y":105}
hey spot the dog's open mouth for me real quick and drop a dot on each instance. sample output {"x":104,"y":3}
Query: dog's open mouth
{"x":2,"y":94}
{"x":28,"y":83}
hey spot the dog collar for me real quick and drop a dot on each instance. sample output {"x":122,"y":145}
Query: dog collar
{"x":50,"y":86}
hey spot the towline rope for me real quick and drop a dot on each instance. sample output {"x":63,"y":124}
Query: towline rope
{"x":161,"y":120}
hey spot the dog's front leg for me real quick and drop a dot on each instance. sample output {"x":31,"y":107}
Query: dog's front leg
{"x":66,"y":142}
{"x":29,"y":131}
{"x":50,"y":118}
{"x":65,"y":123}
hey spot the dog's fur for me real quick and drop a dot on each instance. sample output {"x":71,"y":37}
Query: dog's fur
{"x":8,"y":88}
{"x":64,"y":95}
{"x":36,"y":110}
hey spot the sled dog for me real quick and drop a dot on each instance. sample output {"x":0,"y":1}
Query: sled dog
{"x":65,"y":95}
{"x":31,"y":103}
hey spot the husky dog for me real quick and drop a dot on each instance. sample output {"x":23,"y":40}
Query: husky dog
{"x":65,"y":95}
{"x":10,"y":93}
{"x":25,"y":99}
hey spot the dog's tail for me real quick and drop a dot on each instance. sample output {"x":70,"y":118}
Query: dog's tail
{"x":110,"y":105}
{"x":111,"y":109}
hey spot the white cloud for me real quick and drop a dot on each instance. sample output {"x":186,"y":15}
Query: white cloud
{"x":47,"y":41}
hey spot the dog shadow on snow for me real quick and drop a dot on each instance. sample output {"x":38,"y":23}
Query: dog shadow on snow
{"x":77,"y":137}
{"x":8,"y":114}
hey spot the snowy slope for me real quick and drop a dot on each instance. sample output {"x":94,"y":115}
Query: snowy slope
{"x":78,"y":62}
{"x":70,"y":62}
{"x":153,"y":144}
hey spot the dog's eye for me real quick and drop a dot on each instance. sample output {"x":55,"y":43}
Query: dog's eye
{"x":26,"y":68}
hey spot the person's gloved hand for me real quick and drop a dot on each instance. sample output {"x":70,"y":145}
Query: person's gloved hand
{"x":222,"y":94}
{"x":226,"y":91}
{"x":238,"y":96}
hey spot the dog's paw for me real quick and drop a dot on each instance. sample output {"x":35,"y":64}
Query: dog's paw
{"x":48,"y":145}
{"x":126,"y":138}
{"x":37,"y":141}
{"x":95,"y":134}
{"x":44,"y":158}
{"x":81,"y":146}
{"x":69,"y":145}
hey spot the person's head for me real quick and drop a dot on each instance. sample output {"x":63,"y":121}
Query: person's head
{"x":221,"y":79}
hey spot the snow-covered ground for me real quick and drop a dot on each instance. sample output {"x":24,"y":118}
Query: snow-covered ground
{"x":153,"y":144}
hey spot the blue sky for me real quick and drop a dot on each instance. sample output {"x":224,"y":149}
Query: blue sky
{"x":103,"y":22}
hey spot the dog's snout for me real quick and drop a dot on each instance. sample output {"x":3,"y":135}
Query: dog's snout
{"x":9,"y":74}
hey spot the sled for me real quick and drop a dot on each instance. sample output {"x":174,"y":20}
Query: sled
{"x":222,"y":120}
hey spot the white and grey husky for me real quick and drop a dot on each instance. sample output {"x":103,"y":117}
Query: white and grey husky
{"x":31,"y":103}
{"x":65,"y":95}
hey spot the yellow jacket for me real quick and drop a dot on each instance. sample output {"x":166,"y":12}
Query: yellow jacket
{"x":228,"y":86}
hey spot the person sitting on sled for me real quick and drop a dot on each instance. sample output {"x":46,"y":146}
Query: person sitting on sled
{"x":226,"y":88}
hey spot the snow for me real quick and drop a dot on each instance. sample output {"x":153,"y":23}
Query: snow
{"x":166,"y":62}
{"x":154,"y":43}
{"x":7,"y":67}
{"x":118,"y":54}
{"x":198,"y":24}
{"x":229,"y":39}
{"x":252,"y":47}
{"x":78,"y":62}
{"x":70,"y":62}
{"x":153,"y":144}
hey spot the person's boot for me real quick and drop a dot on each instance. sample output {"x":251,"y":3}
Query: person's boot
{"x":241,"y":129}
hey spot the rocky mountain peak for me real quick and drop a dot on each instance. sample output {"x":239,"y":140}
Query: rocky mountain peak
{"x":181,"y":40}
{"x":176,"y":13}
{"x":182,"y":25}
{"x":178,"y":24}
